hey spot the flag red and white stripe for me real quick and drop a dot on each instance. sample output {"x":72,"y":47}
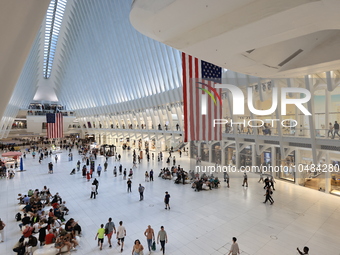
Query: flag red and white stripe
{"x":56,"y":129}
{"x":198,"y":127}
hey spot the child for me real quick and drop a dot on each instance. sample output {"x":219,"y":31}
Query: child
{"x":100,"y":234}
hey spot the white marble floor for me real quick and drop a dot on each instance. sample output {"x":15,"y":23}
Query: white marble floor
{"x":198,"y":223}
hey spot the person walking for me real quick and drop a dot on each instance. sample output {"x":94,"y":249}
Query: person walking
{"x":93,"y":191}
{"x":99,"y":169}
{"x":150,"y":236}
{"x":78,"y":166}
{"x":226,"y":178}
{"x":167,"y":200}
{"x":100,"y":234}
{"x":271,"y":182}
{"x":245,"y":180}
{"x":147,"y":177}
{"x":110,"y":229}
{"x":266,"y":183}
{"x":163,"y":238}
{"x":305,"y":251}
{"x":268,"y":194}
{"x":115,"y":171}
{"x":129,"y":182}
{"x":56,"y":158}
{"x":234,"y":250}
{"x":336,"y":129}
{"x":141,"y":192}
{"x":84,"y":170}
{"x":96,"y":182}
{"x":330,"y":129}
{"x":261,"y":178}
{"x":2,"y":226}
{"x":121,"y":233}
{"x":151,"y":175}
{"x":105,"y":166}
{"x":124,"y":174}
{"x":50,"y":168}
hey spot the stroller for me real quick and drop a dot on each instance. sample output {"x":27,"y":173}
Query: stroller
{"x":73,"y":171}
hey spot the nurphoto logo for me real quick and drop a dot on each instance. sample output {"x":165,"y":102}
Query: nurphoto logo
{"x":238,"y":103}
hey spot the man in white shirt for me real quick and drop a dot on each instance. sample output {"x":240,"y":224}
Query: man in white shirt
{"x":234,"y":250}
{"x":121,"y":233}
{"x":93,"y":190}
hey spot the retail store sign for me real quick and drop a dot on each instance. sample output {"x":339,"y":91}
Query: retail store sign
{"x":239,"y":101}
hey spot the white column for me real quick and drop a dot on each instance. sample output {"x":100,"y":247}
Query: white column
{"x":298,"y":174}
{"x":222,"y":154}
{"x":273,"y":154}
{"x":210,"y":152}
{"x":253,"y":155}
{"x":328,"y":174}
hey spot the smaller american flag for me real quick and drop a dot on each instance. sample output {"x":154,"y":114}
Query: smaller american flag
{"x":55,"y":125}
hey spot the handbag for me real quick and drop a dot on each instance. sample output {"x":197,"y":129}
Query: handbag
{"x":153,"y":247}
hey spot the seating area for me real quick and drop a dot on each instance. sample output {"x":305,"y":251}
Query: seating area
{"x":205,"y":183}
{"x":42,"y":221}
{"x":182,"y":177}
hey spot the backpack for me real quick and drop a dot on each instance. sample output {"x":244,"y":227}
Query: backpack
{"x":1,"y":226}
{"x":28,"y":231}
{"x":18,"y":216}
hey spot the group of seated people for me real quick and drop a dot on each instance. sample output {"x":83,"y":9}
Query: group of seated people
{"x":205,"y":182}
{"x":36,"y":200}
{"x":63,"y":236}
{"x":165,"y":173}
{"x":181,"y":176}
{"x":46,"y":223}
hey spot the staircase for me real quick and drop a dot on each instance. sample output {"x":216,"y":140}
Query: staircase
{"x":179,"y":146}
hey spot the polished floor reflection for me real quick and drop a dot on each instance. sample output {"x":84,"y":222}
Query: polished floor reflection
{"x":198,"y":222}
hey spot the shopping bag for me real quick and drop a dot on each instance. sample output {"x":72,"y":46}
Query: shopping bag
{"x":153,"y":247}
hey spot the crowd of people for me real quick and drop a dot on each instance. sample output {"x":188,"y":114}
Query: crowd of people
{"x":42,"y":226}
{"x":42,"y":219}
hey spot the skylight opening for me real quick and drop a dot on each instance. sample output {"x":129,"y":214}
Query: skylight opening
{"x":54,"y":17}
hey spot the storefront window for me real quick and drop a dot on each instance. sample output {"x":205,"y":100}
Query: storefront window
{"x":335,"y":179}
{"x":287,"y":170}
{"x":216,"y":153}
{"x":193,"y":150}
{"x":204,"y":152}
{"x":311,"y":175}
{"x":245,"y":157}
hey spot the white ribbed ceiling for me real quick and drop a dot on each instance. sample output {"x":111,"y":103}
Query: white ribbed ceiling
{"x":103,"y":60}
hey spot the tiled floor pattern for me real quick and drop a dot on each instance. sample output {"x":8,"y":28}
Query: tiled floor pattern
{"x":198,"y":223}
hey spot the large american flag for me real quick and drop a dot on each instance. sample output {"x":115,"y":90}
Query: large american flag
{"x":55,"y":125}
{"x":198,"y":73}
